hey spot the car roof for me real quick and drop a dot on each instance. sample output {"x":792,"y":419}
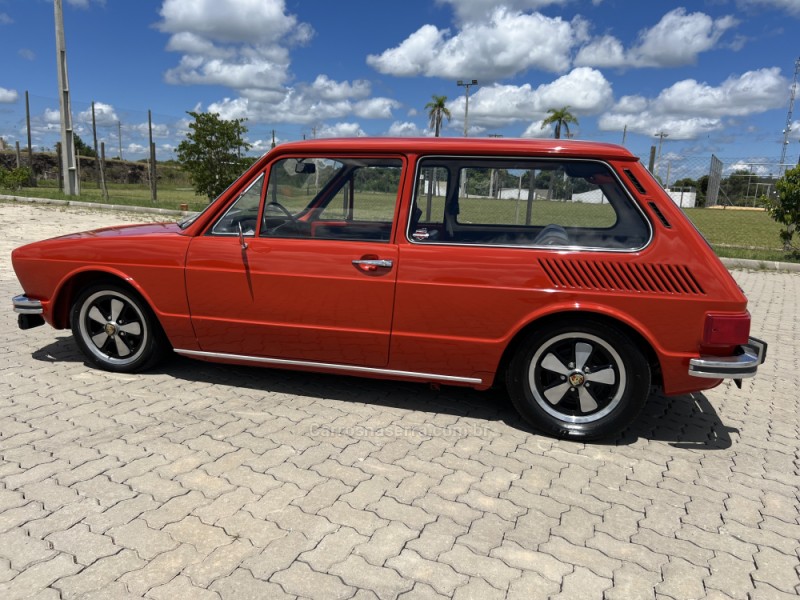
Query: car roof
{"x":459,"y":146}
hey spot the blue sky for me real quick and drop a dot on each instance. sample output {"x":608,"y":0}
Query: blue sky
{"x":715,"y":75}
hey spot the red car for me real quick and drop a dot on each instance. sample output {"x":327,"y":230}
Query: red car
{"x":559,"y":269}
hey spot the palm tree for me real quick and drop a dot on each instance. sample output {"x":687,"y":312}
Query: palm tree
{"x":437,"y":111}
{"x":561,"y":117}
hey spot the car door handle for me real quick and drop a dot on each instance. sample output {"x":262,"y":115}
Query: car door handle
{"x":373,"y":264}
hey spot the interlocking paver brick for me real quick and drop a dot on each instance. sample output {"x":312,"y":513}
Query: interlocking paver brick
{"x":682,"y":579}
{"x":80,"y":542}
{"x":279,"y":555}
{"x":242,"y":585}
{"x":160,"y":570}
{"x":777,"y":569}
{"x":385,"y":543}
{"x":209,"y":480}
{"x":519,"y":557}
{"x":181,"y":587}
{"x":204,"y":538}
{"x":99,"y":574}
{"x":632,"y":582}
{"x":38,"y":577}
{"x":300,"y":580}
{"x":385,"y":583}
{"x":259,"y":532}
{"x":594,"y":560}
{"x":136,"y":535}
{"x":22,"y":550}
{"x":493,"y":570}
{"x":583,"y":584}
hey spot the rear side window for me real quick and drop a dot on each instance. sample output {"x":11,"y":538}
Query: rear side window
{"x":562,"y":203}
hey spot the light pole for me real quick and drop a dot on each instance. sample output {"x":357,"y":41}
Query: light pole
{"x":660,"y":135}
{"x":466,"y":84}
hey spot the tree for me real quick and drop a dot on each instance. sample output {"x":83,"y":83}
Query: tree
{"x":437,"y":111}
{"x":81,"y":149}
{"x":784,"y":207}
{"x":211,"y":154}
{"x":560,"y":117}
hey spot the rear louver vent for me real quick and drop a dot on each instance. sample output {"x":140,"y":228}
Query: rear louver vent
{"x":623,"y":277}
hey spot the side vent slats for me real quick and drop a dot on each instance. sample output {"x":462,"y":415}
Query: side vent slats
{"x":646,"y":278}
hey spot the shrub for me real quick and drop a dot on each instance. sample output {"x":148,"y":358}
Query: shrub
{"x":15,"y":178}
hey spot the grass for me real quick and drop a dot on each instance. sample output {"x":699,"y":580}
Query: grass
{"x":749,"y":234}
{"x":169,"y":196}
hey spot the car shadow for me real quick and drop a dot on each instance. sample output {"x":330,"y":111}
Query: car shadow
{"x":687,"y":421}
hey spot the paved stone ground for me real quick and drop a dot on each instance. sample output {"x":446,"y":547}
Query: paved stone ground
{"x":201,"y":481}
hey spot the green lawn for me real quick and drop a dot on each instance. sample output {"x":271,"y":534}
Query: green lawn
{"x":733,"y":233}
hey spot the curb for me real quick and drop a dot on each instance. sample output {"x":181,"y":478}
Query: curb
{"x":730,"y":263}
{"x":76,"y":203}
{"x":760,"y":265}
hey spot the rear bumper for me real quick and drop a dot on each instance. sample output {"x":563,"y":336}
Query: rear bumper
{"x":743,"y":364}
{"x":29,"y":312}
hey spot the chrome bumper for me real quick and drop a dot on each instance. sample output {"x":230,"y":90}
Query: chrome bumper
{"x":25,"y":306}
{"x":739,"y":366}
{"x":29,"y":312}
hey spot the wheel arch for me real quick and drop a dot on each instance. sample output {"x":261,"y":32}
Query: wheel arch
{"x":72,"y":285}
{"x":580,"y":317}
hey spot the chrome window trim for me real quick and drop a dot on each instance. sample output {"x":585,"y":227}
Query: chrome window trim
{"x":573,"y":248}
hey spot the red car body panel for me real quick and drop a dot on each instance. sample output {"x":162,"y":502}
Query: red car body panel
{"x":439,"y":313}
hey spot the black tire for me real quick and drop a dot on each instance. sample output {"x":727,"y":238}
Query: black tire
{"x":115,"y":329}
{"x":579,"y":381}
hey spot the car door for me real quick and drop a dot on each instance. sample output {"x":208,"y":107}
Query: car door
{"x":303,"y":268}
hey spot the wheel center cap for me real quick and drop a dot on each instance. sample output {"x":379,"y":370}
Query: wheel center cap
{"x":110,"y":329}
{"x":576,"y":379}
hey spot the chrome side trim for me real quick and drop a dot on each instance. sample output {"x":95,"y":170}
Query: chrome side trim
{"x":331,"y":366}
{"x":746,"y":364}
{"x":25,"y":306}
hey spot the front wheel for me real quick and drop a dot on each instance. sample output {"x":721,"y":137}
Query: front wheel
{"x":579,"y":381}
{"x":115,"y":329}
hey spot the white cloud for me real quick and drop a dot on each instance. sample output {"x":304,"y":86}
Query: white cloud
{"x":234,"y":43}
{"x":328,"y":89}
{"x":232,"y":21}
{"x":85,"y":3}
{"x":8,"y":96}
{"x":790,"y":6}
{"x":535,"y":130}
{"x":52,"y":115}
{"x":508,"y":43}
{"x":5,"y":19}
{"x":688,"y":109}
{"x":586,"y":91}
{"x":26,"y":53}
{"x":404,"y":129}
{"x":477,"y":10}
{"x":105,"y":115}
{"x":340,"y":130}
{"x":676,"y":40}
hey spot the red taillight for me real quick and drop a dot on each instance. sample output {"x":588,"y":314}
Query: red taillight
{"x":726,"y":330}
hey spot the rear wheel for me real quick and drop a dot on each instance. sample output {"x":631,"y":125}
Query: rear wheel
{"x":115,"y":329}
{"x":579,"y":381}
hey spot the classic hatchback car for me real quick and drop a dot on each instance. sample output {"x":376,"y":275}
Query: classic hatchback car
{"x":560,"y":269}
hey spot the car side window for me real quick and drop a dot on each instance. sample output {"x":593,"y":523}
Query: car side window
{"x":243,"y":212}
{"x":336,"y":199}
{"x":566,"y":203}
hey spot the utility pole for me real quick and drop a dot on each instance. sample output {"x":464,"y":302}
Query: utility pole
{"x":153,"y":185}
{"x":466,"y":85}
{"x":32,"y":180}
{"x":72,"y":183}
{"x":788,"y":129}
{"x":660,"y":135}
